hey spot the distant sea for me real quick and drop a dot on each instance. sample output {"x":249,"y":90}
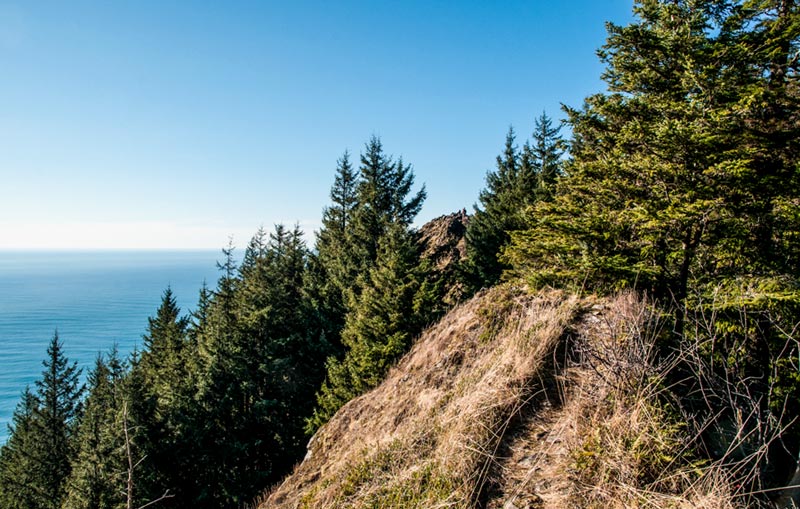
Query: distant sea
{"x":94,"y":299}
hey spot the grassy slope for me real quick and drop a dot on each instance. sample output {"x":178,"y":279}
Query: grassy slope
{"x":512,"y":401}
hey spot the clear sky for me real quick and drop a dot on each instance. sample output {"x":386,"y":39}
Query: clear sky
{"x":167,"y":124}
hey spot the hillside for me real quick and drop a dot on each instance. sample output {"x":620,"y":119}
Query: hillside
{"x":511,"y":401}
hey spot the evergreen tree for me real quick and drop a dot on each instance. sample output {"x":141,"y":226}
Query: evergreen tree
{"x":20,"y":472}
{"x":136,"y":425}
{"x":670,"y":175}
{"x":545,"y":153}
{"x":379,"y":327}
{"x":35,"y":464}
{"x":164,"y":357}
{"x":382,"y":200}
{"x":97,"y":479}
{"x":382,"y":213}
{"x":264,"y":354}
{"x":333,"y":268}
{"x":161,"y":391}
{"x":519,"y":180}
{"x":59,"y":392}
{"x":684,"y":184}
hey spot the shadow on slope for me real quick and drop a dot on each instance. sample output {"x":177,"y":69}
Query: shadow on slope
{"x":511,"y":401}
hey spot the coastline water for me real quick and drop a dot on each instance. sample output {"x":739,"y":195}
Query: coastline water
{"x":95,"y":299}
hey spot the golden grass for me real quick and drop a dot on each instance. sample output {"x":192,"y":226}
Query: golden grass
{"x":513,"y":401}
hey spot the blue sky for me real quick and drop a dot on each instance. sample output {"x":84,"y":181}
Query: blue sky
{"x":165,"y":124}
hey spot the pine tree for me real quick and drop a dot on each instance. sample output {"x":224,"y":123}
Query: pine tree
{"x":264,"y":353}
{"x":379,"y":326}
{"x":157,"y":405}
{"x":164,"y":357}
{"x":383,"y":199}
{"x":35,"y":464}
{"x":384,"y":209}
{"x":521,"y":178}
{"x":59,"y":392}
{"x":670,"y":174}
{"x":684,"y":183}
{"x":545,"y":152}
{"x":333,"y":268}
{"x":97,"y":477}
{"x":20,"y":472}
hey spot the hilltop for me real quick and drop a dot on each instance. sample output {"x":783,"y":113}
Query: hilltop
{"x":513,"y":400}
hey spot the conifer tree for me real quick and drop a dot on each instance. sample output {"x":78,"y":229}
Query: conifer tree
{"x":383,"y":199}
{"x":264,"y":354}
{"x":164,"y":356}
{"x":20,"y":472}
{"x":488,"y":228}
{"x":684,"y":183}
{"x":383,"y":211}
{"x":59,"y":392}
{"x":97,"y":477}
{"x":333,"y":268}
{"x":521,"y":178}
{"x":379,"y":326}
{"x":670,"y":175}
{"x":158,"y":401}
{"x":545,"y":153}
{"x":35,"y":464}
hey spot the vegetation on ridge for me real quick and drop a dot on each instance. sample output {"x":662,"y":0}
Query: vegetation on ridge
{"x":679,"y":185}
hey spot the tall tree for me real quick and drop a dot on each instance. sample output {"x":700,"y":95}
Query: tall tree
{"x":35,"y":464}
{"x":164,"y":358}
{"x":684,"y":183}
{"x":59,"y":393}
{"x":520,"y":179}
{"x":545,"y":151}
{"x":20,"y":472}
{"x":97,"y":478}
{"x":265,"y":355}
{"x":383,"y":198}
{"x":384,"y":208}
{"x":671,"y":175}
{"x":379,"y":326}
{"x":158,"y":401}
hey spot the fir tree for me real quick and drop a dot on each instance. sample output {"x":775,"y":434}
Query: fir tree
{"x":164,"y":357}
{"x":521,"y":178}
{"x":97,"y":477}
{"x":59,"y":392}
{"x":379,"y":327}
{"x":683,"y":184}
{"x":545,"y":152}
{"x":383,"y":199}
{"x":35,"y":464}
{"x":334,"y":267}
{"x":20,"y":471}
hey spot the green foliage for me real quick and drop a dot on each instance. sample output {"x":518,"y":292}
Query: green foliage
{"x":521,"y":179}
{"x":379,"y":326}
{"x":99,"y":467}
{"x":670,"y":179}
{"x":35,"y":464}
{"x":367,"y":248}
{"x":262,"y":351}
{"x":683,"y":183}
{"x":335,"y":265}
{"x":19,"y":469}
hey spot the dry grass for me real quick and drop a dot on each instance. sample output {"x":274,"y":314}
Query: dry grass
{"x":514,"y":401}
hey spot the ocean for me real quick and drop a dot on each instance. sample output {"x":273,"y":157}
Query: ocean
{"x":94,"y":299}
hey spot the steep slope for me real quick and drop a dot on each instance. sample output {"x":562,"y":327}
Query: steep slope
{"x":511,"y":401}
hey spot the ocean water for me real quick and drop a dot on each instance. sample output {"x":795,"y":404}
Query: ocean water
{"x":94,"y":299}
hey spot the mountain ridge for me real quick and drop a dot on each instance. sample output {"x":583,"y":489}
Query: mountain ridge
{"x":498,"y":406}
